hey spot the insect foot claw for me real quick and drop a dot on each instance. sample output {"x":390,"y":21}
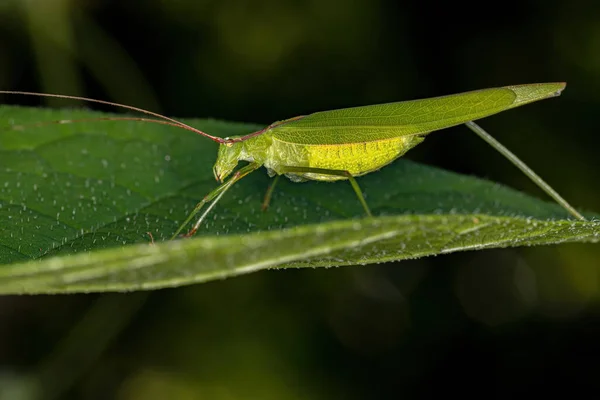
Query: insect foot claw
{"x":190,"y":233}
{"x":151,"y":238}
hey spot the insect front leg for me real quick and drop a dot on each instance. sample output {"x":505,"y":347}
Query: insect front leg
{"x":212,"y":198}
{"x":334,"y":172}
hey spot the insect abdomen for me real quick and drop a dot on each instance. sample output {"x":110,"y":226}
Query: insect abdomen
{"x":357,"y":158}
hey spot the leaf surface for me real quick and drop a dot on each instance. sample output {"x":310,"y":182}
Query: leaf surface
{"x":77,"y":202}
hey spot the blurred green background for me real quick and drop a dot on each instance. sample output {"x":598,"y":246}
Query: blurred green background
{"x":489,"y":324}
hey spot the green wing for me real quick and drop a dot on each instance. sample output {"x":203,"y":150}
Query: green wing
{"x":385,"y":121}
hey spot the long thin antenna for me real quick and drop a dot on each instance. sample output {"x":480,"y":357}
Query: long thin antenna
{"x":524,"y":168}
{"x":263,"y":130}
{"x":171,"y":121}
{"x":75,"y":121}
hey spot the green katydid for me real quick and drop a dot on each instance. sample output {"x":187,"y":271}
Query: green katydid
{"x":347,"y":143}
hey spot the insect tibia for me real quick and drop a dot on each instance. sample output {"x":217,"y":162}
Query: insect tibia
{"x":525,"y":169}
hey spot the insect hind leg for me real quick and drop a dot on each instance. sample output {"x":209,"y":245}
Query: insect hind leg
{"x":334,"y":172}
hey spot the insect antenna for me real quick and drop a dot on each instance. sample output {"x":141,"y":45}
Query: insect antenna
{"x":263,"y":130}
{"x":161,"y":119}
{"x":74,"y":121}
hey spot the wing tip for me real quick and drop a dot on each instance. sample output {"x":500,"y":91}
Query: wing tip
{"x":537,"y":91}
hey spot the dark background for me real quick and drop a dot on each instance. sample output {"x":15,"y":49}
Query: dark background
{"x":490,"y":324}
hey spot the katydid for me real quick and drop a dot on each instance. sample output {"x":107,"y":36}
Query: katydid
{"x":347,"y":143}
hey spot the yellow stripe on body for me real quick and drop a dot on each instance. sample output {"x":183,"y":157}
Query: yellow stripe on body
{"x":357,"y":158}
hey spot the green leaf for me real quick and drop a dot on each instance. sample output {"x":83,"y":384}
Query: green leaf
{"x":97,"y":188}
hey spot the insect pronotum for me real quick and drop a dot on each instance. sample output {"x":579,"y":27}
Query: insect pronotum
{"x":346,"y":143}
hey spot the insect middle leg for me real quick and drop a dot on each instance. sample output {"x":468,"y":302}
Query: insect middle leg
{"x":269,"y":194}
{"x":334,"y":172}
